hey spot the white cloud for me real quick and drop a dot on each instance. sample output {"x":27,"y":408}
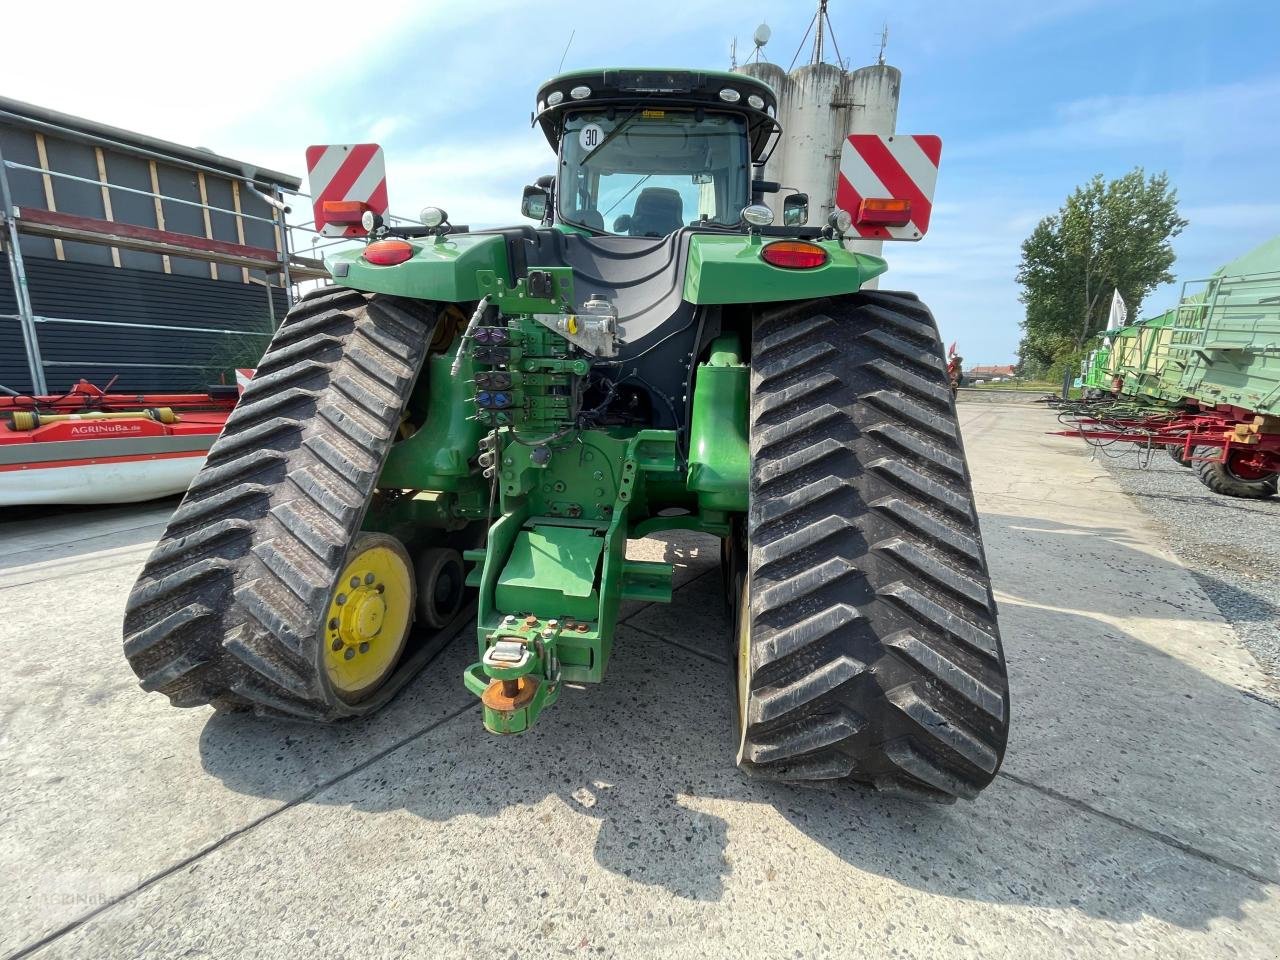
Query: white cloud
{"x":177,"y":71}
{"x":1234,"y":216}
{"x":384,"y":127}
{"x":1207,"y":121}
{"x":478,"y":183}
{"x":964,"y":270}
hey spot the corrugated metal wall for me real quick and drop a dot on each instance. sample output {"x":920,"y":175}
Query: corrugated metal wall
{"x":84,"y":291}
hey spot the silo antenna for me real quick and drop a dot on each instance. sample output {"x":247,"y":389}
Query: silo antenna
{"x":821,"y":20}
{"x":884,"y":42}
{"x":760,"y":38}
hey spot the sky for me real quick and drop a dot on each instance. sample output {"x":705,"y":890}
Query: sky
{"x":1030,"y":98}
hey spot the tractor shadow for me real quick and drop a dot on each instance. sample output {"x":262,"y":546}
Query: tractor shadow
{"x":638,"y":771}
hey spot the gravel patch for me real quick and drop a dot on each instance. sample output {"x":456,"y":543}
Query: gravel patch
{"x":1231,"y":546}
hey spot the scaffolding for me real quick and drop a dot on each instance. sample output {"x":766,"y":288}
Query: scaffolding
{"x":261,"y":202}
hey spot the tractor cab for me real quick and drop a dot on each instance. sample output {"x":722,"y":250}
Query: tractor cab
{"x":645,"y":153}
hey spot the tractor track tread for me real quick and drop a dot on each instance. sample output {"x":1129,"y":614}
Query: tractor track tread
{"x":874,"y":652}
{"x":803,"y":634}
{"x":784,"y":505}
{"x":936,"y":530}
{"x":228,"y":607}
{"x":252,"y":439}
{"x":909,"y":478}
{"x":222,"y":475}
{"x":796,"y":392}
{"x":823,"y":765}
{"x":794,"y":365}
{"x":894,"y":376}
{"x":930,"y":566}
{"x":922,"y":360}
{"x":915,"y":414}
{"x":958,"y":628}
{"x":223,"y":534}
{"x":786,"y":431}
{"x":928,"y":451}
{"x":814,"y":733}
{"x":967,"y":681}
{"x":786,"y":467}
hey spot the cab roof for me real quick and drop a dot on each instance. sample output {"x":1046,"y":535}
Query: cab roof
{"x":629,"y":87}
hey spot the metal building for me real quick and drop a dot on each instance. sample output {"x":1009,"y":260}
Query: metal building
{"x":159,"y":265}
{"x":819,"y":105}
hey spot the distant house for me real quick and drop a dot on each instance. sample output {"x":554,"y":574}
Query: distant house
{"x":989,"y":371}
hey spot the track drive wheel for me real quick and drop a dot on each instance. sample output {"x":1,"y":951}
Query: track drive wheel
{"x":263,"y":593}
{"x":1232,"y":478}
{"x":441,"y":586}
{"x":867,"y":639}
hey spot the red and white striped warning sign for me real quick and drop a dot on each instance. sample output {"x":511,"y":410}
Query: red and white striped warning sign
{"x":243,"y":376}
{"x":886,"y":183}
{"x":346,"y":172}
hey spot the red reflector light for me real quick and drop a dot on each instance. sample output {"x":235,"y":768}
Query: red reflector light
{"x":343,"y":211}
{"x":387,"y":253}
{"x":794,"y":254}
{"x":877,"y":212}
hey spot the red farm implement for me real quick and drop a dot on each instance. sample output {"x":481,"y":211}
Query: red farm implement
{"x":1233,"y":451}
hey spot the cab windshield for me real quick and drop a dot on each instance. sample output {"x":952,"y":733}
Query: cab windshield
{"x":650,"y":172}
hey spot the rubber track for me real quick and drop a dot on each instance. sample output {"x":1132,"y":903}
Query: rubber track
{"x":874,"y":648}
{"x":1215,"y":475}
{"x":228,"y":606}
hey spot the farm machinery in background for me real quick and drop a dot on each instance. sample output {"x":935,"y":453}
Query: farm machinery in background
{"x":1201,"y":381}
{"x":92,"y":446}
{"x":476,"y":422}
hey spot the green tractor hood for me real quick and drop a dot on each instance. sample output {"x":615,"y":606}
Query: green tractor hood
{"x":716,"y":268}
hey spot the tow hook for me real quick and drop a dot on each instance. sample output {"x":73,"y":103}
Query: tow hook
{"x":516,"y":677}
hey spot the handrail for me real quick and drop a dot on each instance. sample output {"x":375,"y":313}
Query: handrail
{"x":13,"y":164}
{"x":132,"y":366}
{"x":143,"y":326}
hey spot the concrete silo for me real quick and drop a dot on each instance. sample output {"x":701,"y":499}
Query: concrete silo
{"x":819,"y":105}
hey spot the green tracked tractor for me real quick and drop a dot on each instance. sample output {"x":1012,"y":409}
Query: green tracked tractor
{"x":467,"y":427}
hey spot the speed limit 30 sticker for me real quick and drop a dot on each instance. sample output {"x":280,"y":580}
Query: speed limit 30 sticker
{"x":589,"y":137}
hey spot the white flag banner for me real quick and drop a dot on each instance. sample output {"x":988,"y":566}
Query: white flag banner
{"x":1119,"y":312}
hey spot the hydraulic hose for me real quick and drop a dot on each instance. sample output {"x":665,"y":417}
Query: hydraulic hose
{"x":469,"y":334}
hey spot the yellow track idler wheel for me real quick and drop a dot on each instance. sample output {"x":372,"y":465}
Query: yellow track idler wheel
{"x":370,"y":613}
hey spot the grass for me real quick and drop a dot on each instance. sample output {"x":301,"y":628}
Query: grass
{"x":1026,"y":386}
{"x":1044,"y":386}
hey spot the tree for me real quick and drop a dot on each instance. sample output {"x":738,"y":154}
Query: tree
{"x":1108,"y":236}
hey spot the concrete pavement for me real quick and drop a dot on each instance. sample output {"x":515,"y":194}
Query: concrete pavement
{"x":1136,"y":813}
